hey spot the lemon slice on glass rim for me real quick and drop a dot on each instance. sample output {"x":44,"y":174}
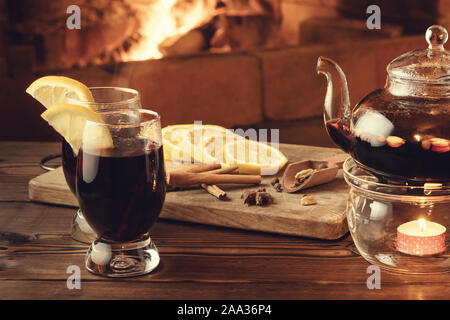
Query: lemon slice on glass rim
{"x":72,"y":122}
{"x":52,"y":90}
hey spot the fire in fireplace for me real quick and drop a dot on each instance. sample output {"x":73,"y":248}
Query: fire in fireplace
{"x":132,"y":30}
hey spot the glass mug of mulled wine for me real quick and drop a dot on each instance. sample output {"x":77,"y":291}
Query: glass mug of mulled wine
{"x":121,"y":187}
{"x":105,"y":98}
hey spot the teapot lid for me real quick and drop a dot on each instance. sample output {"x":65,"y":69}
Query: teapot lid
{"x":429,"y":67}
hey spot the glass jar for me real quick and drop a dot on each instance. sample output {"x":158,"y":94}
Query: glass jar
{"x":399,"y":227}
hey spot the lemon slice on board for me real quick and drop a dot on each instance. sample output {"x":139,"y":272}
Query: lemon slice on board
{"x":208,"y":143}
{"x":51,"y":90}
{"x":71,"y":122}
{"x":215,"y":144}
{"x":195,"y":143}
{"x":254,"y":157}
{"x":174,"y":141}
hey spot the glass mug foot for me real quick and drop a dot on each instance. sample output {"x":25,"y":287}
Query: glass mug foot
{"x":113,"y":259}
{"x":81,"y":231}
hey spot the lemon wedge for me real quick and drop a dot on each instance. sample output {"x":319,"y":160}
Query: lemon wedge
{"x":72,"y":122}
{"x":51,"y":90}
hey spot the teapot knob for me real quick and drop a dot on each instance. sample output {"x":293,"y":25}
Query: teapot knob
{"x":436,"y":37}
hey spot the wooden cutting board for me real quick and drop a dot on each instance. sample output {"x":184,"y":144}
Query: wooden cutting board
{"x":286,"y":215}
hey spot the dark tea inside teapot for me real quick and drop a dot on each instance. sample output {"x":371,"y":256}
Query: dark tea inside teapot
{"x":402,"y":131}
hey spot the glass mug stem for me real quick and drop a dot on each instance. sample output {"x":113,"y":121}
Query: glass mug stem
{"x":81,"y":230}
{"x":116,"y":259}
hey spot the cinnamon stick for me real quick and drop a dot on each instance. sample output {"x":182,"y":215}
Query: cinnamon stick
{"x":232,"y":169}
{"x":180,"y":179}
{"x":211,"y":168}
{"x":202,"y":167}
{"x":215,"y":191}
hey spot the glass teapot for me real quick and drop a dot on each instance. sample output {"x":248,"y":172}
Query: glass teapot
{"x":402,"y":131}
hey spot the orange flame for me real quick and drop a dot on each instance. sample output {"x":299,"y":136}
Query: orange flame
{"x":166,"y":19}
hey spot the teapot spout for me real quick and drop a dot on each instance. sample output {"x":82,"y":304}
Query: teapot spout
{"x":337,"y":111}
{"x":337,"y":101}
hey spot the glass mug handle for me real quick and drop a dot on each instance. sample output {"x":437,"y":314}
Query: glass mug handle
{"x":43,"y":163}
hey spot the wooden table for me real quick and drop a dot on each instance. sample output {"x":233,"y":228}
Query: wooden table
{"x":197,"y":261}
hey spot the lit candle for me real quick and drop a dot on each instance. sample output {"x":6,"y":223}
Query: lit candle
{"x":421,"y":237}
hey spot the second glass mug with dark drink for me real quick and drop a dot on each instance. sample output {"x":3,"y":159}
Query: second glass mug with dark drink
{"x":121,"y":187}
{"x":105,"y":98}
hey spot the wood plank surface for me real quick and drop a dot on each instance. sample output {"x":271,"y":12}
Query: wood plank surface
{"x":197,"y":261}
{"x":286,"y":215}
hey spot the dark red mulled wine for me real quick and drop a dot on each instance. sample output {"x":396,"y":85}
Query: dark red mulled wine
{"x":416,"y":158}
{"x":121,"y":193}
{"x":69,"y":164}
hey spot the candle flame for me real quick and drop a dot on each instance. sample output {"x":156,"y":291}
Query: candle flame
{"x":422,"y":224}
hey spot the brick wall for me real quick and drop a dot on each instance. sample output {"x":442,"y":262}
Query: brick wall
{"x":236,"y":89}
